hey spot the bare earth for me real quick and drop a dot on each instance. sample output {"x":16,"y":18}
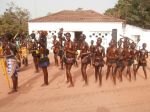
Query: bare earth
{"x":128,"y":96}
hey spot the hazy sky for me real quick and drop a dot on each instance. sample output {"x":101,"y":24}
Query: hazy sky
{"x":40,"y":8}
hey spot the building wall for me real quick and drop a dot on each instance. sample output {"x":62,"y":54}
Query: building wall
{"x":132,"y":32}
{"x":92,"y":30}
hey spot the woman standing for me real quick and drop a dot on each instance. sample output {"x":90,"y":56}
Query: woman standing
{"x":10,"y":52}
{"x":99,"y":54}
{"x":56,"y":46}
{"x":43,"y":60}
{"x":69,"y":58}
{"x":85,"y":57}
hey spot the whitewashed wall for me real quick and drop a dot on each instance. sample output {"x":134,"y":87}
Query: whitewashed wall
{"x":88,"y":28}
{"x":144,"y":34}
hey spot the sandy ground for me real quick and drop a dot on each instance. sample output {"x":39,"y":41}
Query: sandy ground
{"x":128,"y":96}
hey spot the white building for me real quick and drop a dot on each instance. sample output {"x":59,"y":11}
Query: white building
{"x":89,"y":22}
{"x":134,"y":32}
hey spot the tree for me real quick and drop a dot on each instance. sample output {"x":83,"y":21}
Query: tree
{"x":14,"y":20}
{"x":135,"y":12}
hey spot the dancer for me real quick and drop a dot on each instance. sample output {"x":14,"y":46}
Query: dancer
{"x":142,"y":56}
{"x":69,"y":58}
{"x":111,"y":59}
{"x":99,"y":54}
{"x":56,"y":47}
{"x":85,"y":57}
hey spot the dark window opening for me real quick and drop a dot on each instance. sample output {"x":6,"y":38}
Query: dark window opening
{"x":77,"y":38}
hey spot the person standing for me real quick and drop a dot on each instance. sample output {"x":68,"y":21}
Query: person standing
{"x":69,"y":58}
{"x":142,"y":56}
{"x":134,"y":54}
{"x":85,"y":57}
{"x":24,"y":53}
{"x":61,"y":49}
{"x":9,"y":53}
{"x":120,"y":61}
{"x":43,"y":58}
{"x":35,"y":54}
{"x":92,"y":51}
{"x":56,"y":47}
{"x":128,"y":59}
{"x":98,"y":59}
{"x":111,"y":59}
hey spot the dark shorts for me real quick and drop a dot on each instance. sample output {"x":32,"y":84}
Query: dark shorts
{"x":130,"y":62}
{"x":111,"y":61}
{"x":60,"y":53}
{"x":120,"y":64}
{"x":142,"y":64}
{"x":86,"y":60}
{"x":99,"y":62}
{"x":44,"y":62}
{"x":55,"y":54}
{"x":34,"y":54}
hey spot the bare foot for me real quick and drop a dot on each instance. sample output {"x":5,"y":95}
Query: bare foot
{"x":67,"y":81}
{"x":71,"y":85}
{"x":86,"y":84}
{"x":44,"y":85}
{"x":13,"y":91}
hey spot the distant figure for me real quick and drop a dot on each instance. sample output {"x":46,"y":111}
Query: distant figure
{"x":35,"y":54}
{"x":32,"y":35}
{"x":61,"y":50}
{"x":76,"y":54}
{"x":56,"y":47}
{"x":143,"y":55}
{"x":24,"y":53}
{"x":92,"y":51}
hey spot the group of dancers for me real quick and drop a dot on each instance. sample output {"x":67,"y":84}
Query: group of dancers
{"x":120,"y":56}
{"x":13,"y":55}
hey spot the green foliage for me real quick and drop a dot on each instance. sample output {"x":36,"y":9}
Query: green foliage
{"x":135,"y":12}
{"x":14,"y":20}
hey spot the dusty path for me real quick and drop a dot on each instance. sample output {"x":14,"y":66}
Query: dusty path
{"x":128,"y":96}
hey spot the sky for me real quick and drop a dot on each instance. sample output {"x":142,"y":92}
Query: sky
{"x":39,"y":8}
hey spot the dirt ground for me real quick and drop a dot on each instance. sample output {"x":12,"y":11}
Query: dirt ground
{"x":127,"y":96}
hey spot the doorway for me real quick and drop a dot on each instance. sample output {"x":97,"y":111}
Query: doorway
{"x":77,"y":38}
